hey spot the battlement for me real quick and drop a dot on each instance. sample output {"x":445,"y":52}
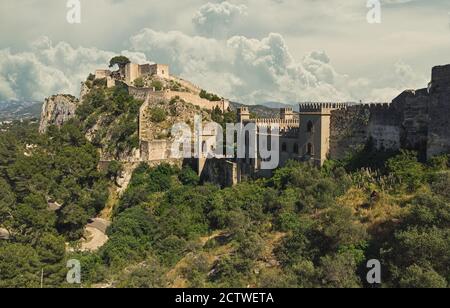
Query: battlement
{"x":378,"y":106}
{"x":243,"y":110}
{"x":287,"y":110}
{"x":287,"y":113}
{"x":321,"y":107}
{"x":281,"y":122}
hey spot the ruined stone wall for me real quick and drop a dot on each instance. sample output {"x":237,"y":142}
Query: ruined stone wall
{"x":100,"y":74}
{"x":156,"y":150}
{"x":187,"y":84}
{"x":160,"y":70}
{"x":131,"y":72}
{"x":414,"y":120}
{"x":439,"y":112}
{"x":439,"y":128}
{"x":198,"y":101}
{"x":144,"y":93}
{"x":220,"y":172}
{"x":348,"y":130}
{"x":354,"y":126}
{"x":384,"y":126}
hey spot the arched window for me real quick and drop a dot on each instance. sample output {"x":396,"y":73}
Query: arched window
{"x":310,"y":127}
{"x":310,"y":149}
{"x":181,"y":148}
{"x":296,"y":149}
{"x":284,"y":147}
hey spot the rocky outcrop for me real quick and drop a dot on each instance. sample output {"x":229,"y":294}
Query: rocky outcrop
{"x":4,"y":234}
{"x":84,"y":90}
{"x":57,"y":110}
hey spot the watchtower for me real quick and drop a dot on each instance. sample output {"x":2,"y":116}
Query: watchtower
{"x":243,"y":114}
{"x":287,"y":114}
{"x":314,"y":133}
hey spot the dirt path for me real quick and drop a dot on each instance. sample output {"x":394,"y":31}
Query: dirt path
{"x":95,"y":235}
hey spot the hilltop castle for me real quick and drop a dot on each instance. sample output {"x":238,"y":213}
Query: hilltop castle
{"x":178,"y":88}
{"x":415,"y":120}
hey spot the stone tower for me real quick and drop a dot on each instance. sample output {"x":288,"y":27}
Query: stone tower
{"x":243,"y":114}
{"x":287,"y":114}
{"x":314,"y":136}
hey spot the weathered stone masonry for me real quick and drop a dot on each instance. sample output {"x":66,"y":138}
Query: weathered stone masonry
{"x":415,"y":120}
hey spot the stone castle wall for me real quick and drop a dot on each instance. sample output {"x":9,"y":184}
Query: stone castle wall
{"x":348,"y":130}
{"x":416,"y":120}
{"x":439,"y":112}
{"x":143,"y":93}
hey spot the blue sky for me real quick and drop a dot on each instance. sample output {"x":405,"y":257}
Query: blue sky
{"x":250,"y":51}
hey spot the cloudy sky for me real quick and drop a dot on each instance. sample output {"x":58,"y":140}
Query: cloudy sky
{"x":250,"y":51}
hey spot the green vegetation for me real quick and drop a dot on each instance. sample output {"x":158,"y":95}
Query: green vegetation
{"x":60,"y":167}
{"x":120,"y":61}
{"x":223,"y":118}
{"x":157,"y":85}
{"x":117,"y":114}
{"x":139,"y":82}
{"x":303,"y":227}
{"x":158,"y":115}
{"x":314,"y":226}
{"x":209,"y":96}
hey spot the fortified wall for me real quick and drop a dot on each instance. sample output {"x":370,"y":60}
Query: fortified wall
{"x":196,"y":100}
{"x":415,"y":120}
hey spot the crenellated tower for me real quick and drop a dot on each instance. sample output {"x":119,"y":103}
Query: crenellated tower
{"x":314,"y":132}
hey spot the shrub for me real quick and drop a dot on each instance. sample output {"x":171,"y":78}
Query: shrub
{"x":209,"y":96}
{"x":407,"y":169}
{"x":188,"y":176}
{"x":158,"y":115}
{"x":100,"y":82}
{"x":158,"y":85}
{"x":139,"y":82}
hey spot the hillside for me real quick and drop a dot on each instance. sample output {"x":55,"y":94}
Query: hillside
{"x":304,"y":227}
{"x":158,"y":225}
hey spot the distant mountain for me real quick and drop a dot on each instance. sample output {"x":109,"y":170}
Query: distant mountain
{"x":19,"y":110}
{"x":265,"y":110}
{"x":259,"y":111}
{"x":277,"y":105}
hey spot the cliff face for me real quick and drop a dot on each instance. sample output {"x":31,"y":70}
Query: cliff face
{"x":57,"y":110}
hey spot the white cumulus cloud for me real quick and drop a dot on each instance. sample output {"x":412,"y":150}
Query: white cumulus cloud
{"x":216,"y":19}
{"x":243,"y":69}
